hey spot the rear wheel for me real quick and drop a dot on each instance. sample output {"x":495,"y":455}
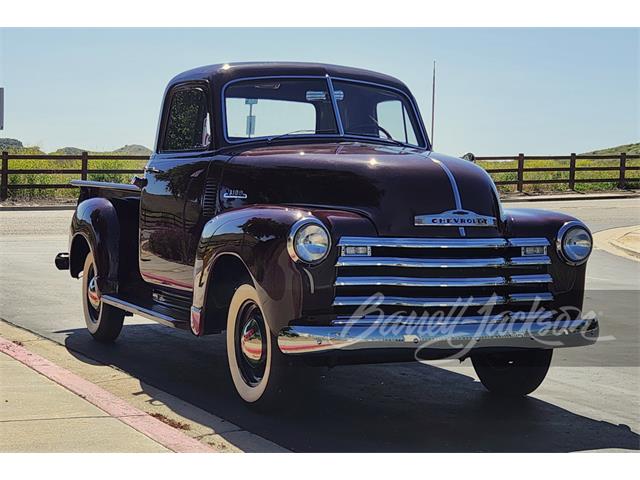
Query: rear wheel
{"x":104,"y":322}
{"x":256,"y":365}
{"x":515,"y":373}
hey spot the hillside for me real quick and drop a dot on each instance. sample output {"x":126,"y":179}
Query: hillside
{"x":126,"y":150}
{"x":630,"y":148}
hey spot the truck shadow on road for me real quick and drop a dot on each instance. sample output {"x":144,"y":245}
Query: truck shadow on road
{"x":371,"y":408}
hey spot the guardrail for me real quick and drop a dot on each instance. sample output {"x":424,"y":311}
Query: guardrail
{"x":515,"y":171}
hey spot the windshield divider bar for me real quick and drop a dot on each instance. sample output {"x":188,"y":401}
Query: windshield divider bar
{"x":335,"y":106}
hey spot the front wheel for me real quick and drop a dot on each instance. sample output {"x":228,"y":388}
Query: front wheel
{"x":103,"y":321}
{"x":256,"y":365}
{"x":516,"y":373}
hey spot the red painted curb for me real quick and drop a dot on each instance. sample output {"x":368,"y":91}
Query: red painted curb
{"x":162,"y":433}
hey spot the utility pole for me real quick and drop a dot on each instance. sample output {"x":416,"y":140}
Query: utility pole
{"x":1,"y":108}
{"x":433,"y":101}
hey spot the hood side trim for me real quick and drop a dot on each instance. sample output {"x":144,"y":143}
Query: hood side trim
{"x":454,"y":187}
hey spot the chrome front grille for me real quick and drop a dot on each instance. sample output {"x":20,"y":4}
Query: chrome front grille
{"x":431,"y":273}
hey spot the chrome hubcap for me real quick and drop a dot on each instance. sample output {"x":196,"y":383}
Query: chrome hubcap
{"x":92,"y":293}
{"x":251,"y":342}
{"x":251,"y":347}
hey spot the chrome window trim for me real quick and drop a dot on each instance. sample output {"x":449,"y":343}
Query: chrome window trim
{"x":329,"y":79}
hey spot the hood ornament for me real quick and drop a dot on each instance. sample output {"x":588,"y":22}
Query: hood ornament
{"x":455,"y":218}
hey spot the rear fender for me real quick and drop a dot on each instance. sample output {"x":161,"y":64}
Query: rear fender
{"x":96,"y":222}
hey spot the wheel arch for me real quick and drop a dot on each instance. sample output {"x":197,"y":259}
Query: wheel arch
{"x":226,"y":274}
{"x":95,"y":228}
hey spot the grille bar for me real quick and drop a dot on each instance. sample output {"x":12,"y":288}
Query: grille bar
{"x":402,"y":262}
{"x":440,"y":281}
{"x":424,"y":302}
{"x":427,"y":302}
{"x":367,"y":321}
{"x":441,"y":242}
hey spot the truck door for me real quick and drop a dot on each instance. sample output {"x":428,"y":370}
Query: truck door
{"x":175,"y":178}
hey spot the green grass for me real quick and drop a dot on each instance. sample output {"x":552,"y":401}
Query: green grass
{"x":49,"y":179}
{"x":633,"y":177}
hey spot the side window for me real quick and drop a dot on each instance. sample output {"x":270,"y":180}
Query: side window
{"x":393,"y":117}
{"x":188,"y":124}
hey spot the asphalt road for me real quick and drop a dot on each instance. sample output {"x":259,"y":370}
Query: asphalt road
{"x":589,"y":401}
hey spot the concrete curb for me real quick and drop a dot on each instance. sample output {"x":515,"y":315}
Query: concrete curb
{"x":156,"y":430}
{"x":205,"y":427}
{"x":31,"y":208}
{"x":609,"y":241}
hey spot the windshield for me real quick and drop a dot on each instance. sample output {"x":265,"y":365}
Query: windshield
{"x":281,"y":107}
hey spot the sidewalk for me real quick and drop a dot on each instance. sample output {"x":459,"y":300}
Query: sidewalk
{"x":623,"y":241}
{"x":76,"y":404}
{"x":629,"y":241}
{"x":38,"y":415}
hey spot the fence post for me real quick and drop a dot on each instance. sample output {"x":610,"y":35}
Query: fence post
{"x":520,"y":171}
{"x":622,"y":182}
{"x":572,"y":172}
{"x":4,"y":176}
{"x":85,"y":166}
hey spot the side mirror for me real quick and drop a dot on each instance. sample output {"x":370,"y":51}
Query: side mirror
{"x":469,"y":156}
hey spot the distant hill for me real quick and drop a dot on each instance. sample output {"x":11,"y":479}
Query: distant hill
{"x":67,"y":151}
{"x":630,"y":148}
{"x":7,"y":143}
{"x":126,"y":150}
{"x":16,"y":146}
{"x":133,"y":150}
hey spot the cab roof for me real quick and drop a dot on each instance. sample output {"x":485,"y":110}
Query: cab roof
{"x":219,"y":74}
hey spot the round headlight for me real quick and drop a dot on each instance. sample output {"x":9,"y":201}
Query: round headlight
{"x":575,"y":243}
{"x":309,"y":241}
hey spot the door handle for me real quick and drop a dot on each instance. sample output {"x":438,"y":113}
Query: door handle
{"x":139,"y":182}
{"x":151,"y":170}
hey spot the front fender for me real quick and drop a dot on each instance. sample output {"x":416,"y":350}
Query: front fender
{"x":257,"y":235}
{"x":96,"y":220}
{"x":568,"y":281}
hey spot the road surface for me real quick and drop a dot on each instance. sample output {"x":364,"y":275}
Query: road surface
{"x":589,"y":401}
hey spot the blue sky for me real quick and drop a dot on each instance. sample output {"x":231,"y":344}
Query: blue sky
{"x":499,"y":91}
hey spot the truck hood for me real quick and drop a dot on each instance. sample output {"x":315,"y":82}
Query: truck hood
{"x":388,"y":184}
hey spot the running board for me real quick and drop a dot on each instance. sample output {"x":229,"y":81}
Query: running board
{"x":155,"y":312}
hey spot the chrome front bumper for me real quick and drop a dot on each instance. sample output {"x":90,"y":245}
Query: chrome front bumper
{"x":453,"y":336}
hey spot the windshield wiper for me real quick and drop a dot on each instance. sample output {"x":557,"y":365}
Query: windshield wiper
{"x":294,"y":132}
{"x":389,"y":136}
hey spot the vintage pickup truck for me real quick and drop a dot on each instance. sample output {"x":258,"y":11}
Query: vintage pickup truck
{"x":300,"y":209}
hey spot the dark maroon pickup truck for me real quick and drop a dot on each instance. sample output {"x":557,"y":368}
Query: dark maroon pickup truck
{"x":299,"y":209}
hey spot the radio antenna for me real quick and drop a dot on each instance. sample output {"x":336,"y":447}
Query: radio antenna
{"x":433,"y":101}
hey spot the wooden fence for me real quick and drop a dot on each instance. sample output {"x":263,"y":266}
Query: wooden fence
{"x":506,"y":171}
